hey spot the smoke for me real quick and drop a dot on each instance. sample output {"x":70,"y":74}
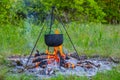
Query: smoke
{"x":28,"y":33}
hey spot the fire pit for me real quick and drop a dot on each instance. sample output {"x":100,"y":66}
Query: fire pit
{"x":44,"y":65}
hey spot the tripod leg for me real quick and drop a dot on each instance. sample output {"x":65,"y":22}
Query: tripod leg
{"x":67,"y":34}
{"x":35,"y":44}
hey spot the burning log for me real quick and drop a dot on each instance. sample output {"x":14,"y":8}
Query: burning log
{"x":19,"y":63}
{"x":37,"y":53}
{"x":87,"y":64}
{"x":83,"y":57}
{"x":114,"y":60}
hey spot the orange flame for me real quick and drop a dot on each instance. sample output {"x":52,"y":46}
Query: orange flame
{"x":56,"y":49}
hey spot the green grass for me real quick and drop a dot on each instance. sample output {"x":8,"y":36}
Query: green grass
{"x":108,"y":75}
{"x":88,"y":39}
{"x":97,"y":39}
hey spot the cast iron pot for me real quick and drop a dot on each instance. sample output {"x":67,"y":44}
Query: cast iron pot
{"x":53,"y":40}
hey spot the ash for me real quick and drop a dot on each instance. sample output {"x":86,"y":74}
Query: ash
{"x":43,"y":67}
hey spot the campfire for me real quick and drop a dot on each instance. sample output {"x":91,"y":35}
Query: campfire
{"x":57,"y":62}
{"x":57,"y":58}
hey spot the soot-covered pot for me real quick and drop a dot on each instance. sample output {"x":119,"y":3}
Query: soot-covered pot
{"x":53,"y":40}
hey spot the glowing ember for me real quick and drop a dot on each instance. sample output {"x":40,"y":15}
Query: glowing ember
{"x":37,"y":64}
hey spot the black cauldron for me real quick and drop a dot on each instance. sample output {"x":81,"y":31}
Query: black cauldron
{"x":53,"y":40}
